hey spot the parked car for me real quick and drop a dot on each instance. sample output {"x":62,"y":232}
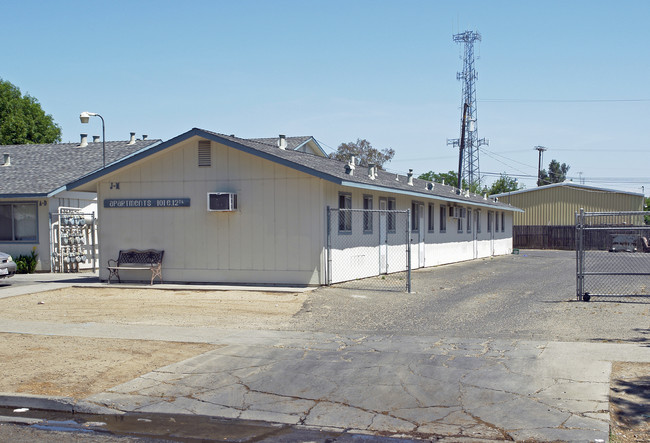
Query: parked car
{"x":7,"y":265}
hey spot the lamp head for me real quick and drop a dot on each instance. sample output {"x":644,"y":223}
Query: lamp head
{"x":85,"y":116}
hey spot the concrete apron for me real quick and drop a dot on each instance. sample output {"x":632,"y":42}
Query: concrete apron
{"x":393,"y":385}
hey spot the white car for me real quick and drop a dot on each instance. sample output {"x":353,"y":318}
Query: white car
{"x":7,"y":265}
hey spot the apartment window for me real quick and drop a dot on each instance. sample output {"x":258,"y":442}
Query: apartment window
{"x":415,"y":216}
{"x":503,"y":222}
{"x":367,"y":215}
{"x":443,"y":219}
{"x":345,"y":217}
{"x":431,"y":218}
{"x":460,"y":214}
{"x":490,"y":215}
{"x":19,"y":222}
{"x":391,"y":215}
{"x":469,"y":220}
{"x":496,"y":222}
{"x":478,"y":221}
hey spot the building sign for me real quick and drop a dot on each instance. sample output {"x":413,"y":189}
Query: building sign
{"x":146,"y":202}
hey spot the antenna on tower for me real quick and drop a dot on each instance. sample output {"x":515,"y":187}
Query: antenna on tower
{"x":471,"y":173}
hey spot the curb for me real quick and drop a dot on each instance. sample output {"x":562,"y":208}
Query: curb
{"x":56,"y":404}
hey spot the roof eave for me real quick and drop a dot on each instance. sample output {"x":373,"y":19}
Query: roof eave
{"x":428,"y":196}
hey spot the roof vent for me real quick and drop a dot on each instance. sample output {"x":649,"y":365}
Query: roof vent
{"x":396,"y":177}
{"x":349,"y":166}
{"x":282,"y":141}
{"x":430,"y":186}
{"x":84,"y":141}
{"x":6,"y":160}
{"x":144,"y":136}
{"x":132,"y":139}
{"x":372,"y":171}
{"x":409,"y":177}
{"x":95,"y":138}
{"x":484,"y":196}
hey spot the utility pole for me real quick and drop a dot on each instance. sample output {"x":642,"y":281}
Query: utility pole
{"x":539,"y":164}
{"x":462,"y":147}
{"x":471,"y":172}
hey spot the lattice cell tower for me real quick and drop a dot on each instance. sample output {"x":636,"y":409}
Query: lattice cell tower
{"x":470,"y":171}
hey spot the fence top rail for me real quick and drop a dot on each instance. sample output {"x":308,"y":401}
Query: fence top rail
{"x":612,"y":213}
{"x":386,"y":211}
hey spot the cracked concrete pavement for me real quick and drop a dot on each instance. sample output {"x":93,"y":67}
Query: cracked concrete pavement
{"x":516,"y":371}
{"x":419,"y":387}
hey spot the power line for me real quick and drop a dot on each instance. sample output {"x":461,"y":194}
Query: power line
{"x":534,"y":100}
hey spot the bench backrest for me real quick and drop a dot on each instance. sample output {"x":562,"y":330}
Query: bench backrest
{"x":136,"y":256}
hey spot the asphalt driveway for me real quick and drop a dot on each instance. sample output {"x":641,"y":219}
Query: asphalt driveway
{"x":525,"y":296}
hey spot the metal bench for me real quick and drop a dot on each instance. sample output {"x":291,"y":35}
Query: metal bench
{"x":135,"y":259}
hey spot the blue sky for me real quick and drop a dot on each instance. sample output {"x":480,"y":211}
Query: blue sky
{"x":568,"y":75}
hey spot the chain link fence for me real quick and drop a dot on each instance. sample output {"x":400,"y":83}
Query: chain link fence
{"x":369,"y":249}
{"x":613,"y":256}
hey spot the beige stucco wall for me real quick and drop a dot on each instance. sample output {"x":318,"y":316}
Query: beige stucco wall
{"x":275,"y":236}
{"x":557,"y":205}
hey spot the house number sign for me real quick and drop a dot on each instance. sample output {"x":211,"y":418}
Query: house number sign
{"x":146,"y":202}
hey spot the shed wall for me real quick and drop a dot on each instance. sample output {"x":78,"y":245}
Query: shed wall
{"x":556,"y":206}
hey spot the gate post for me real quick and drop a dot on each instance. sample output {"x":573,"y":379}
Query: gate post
{"x":580,"y":219}
{"x":408,"y":251}
{"x":328,"y":272}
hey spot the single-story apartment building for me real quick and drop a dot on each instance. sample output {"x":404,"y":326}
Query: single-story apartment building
{"x":548,"y":220}
{"x":32,"y":189}
{"x":235,"y":210}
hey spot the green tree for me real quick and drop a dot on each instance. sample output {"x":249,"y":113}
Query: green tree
{"x":364,"y":152}
{"x":504,"y":183}
{"x":451,"y":178}
{"x":556,"y":173}
{"x":22,"y":120}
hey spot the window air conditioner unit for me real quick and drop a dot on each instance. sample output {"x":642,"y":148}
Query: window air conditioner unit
{"x":222,"y":201}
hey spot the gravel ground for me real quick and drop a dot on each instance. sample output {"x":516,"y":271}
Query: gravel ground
{"x":525,"y":296}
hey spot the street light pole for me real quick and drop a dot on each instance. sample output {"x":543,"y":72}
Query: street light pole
{"x":85,"y":117}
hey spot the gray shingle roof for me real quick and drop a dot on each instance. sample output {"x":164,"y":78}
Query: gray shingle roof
{"x":40,"y":169}
{"x":322,"y":167}
{"x":334,"y":170}
{"x":292,"y":142}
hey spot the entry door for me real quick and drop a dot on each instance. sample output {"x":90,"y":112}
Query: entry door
{"x":383,"y":239}
{"x":421,"y":238}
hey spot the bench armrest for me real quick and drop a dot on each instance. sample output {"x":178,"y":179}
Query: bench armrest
{"x":112,"y":262}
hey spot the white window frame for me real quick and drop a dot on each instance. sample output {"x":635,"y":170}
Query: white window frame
{"x":15,"y":228}
{"x":345,"y":217}
{"x":391,"y":205}
{"x":442,"y":228}
{"x":367,"y":215}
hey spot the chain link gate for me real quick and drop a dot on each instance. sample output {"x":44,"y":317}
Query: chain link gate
{"x":369,"y":249}
{"x":613,"y":256}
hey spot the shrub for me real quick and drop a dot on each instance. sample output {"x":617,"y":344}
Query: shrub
{"x":26,"y":264}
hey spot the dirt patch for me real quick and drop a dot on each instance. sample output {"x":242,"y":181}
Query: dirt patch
{"x":79,"y":366}
{"x":630,"y":402}
{"x":222,"y":309}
